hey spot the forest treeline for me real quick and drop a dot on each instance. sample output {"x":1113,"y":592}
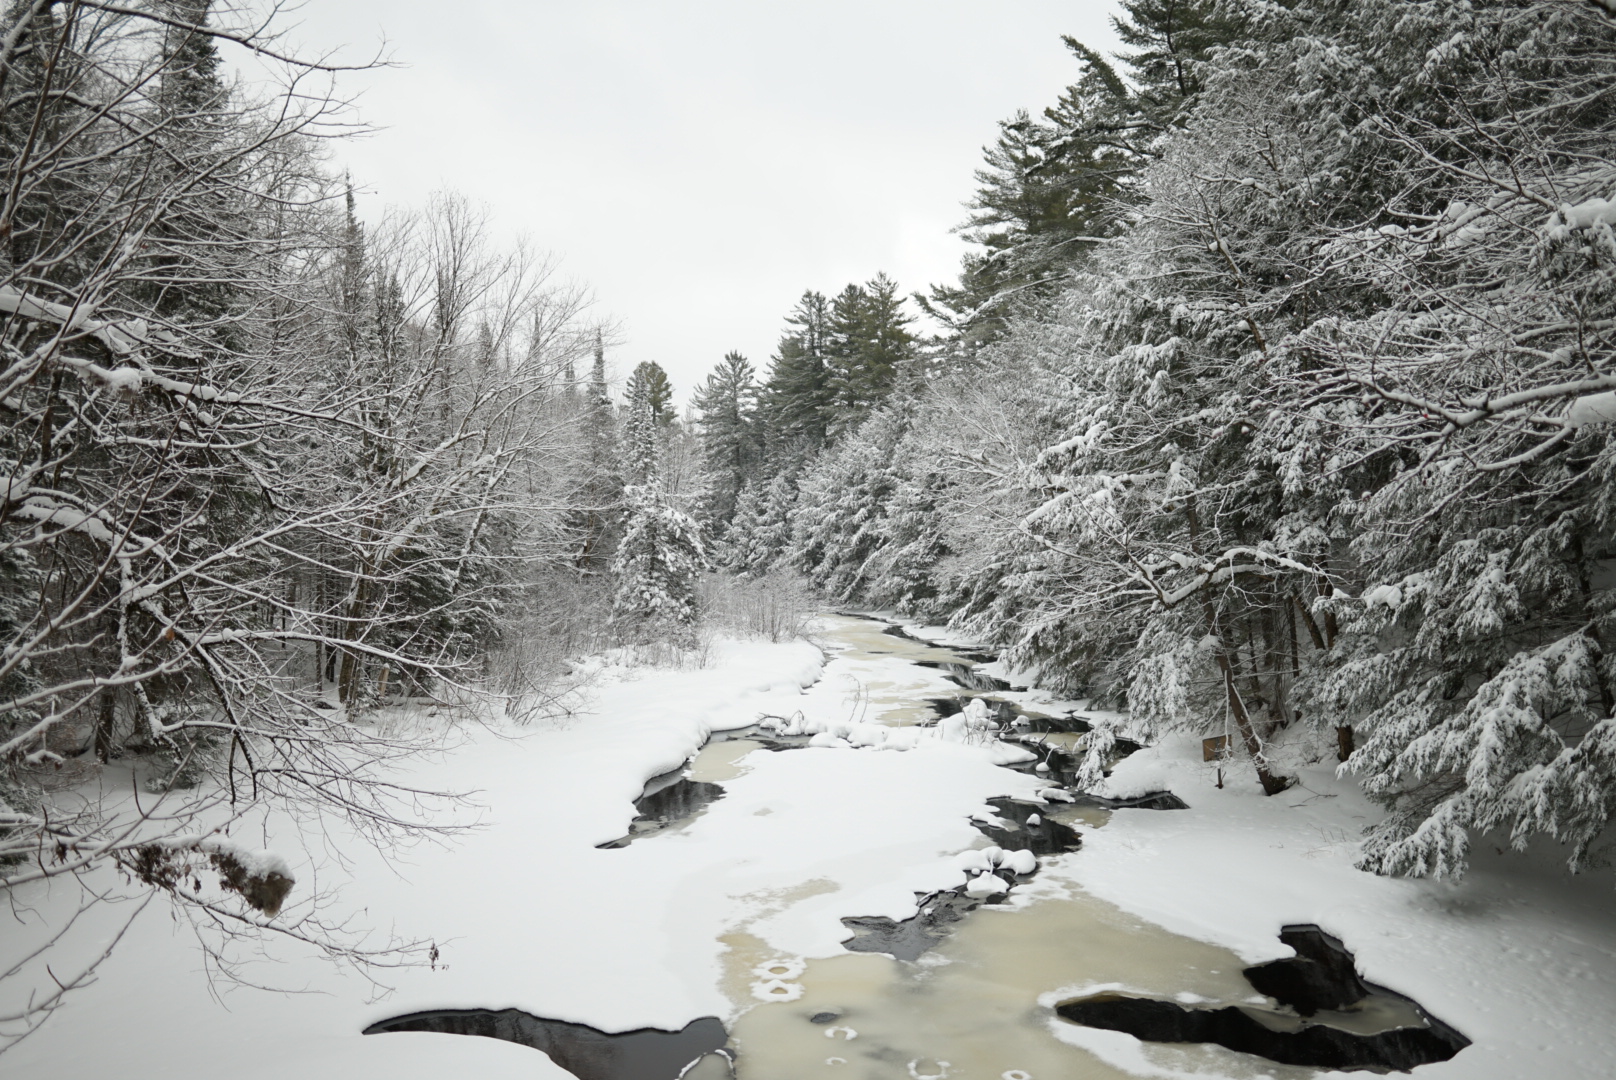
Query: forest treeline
{"x":1277,"y":393}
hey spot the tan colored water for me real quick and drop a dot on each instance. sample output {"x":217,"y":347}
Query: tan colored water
{"x":720,"y":761}
{"x":980,"y":1006}
{"x":971,"y":1009}
{"x":883,"y":699}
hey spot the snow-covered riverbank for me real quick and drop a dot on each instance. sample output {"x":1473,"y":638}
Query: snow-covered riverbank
{"x":530,"y":914}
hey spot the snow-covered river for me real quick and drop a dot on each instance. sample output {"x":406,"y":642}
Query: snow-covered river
{"x":736,"y":911}
{"x":980,"y":1003}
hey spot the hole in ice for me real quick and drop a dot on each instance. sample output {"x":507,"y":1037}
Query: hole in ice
{"x":1328,"y":1016}
{"x":784,"y":968}
{"x":776,"y":990}
{"x":585,"y":1052}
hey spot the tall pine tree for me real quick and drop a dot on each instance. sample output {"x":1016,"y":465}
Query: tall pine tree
{"x":727,"y":414}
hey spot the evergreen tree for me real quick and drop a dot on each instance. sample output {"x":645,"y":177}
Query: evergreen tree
{"x":648,"y":379}
{"x":1054,"y":187}
{"x":661,"y":551}
{"x":727,"y":414}
{"x":642,"y":423}
{"x":797,"y":401}
{"x":656,"y":567}
{"x":601,"y":489}
{"x":868,"y":345}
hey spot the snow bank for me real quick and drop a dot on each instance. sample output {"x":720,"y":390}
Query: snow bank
{"x":1517,"y":957}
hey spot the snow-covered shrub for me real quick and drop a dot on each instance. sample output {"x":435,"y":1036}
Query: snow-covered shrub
{"x":774,"y":605}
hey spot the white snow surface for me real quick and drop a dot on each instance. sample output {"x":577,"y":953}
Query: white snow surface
{"x":528,"y":913}
{"x":1518,"y":957}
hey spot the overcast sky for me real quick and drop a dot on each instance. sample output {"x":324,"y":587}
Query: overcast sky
{"x":699,"y":164}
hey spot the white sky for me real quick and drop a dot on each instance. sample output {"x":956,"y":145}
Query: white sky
{"x":700,"y":164}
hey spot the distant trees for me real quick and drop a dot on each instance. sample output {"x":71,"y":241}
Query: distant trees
{"x":837,"y":360}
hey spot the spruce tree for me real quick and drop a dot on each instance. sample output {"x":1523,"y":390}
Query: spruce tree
{"x":661,"y":552}
{"x":797,"y":404}
{"x":601,"y":488}
{"x":727,"y":414}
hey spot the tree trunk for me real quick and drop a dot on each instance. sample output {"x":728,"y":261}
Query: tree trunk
{"x":1271,"y":784}
{"x":105,"y":723}
{"x":1312,"y":624}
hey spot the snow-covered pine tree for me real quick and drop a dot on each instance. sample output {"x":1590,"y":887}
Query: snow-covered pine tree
{"x":641,"y":449}
{"x":658,"y":561}
{"x":661,"y":552}
{"x":593,"y":521}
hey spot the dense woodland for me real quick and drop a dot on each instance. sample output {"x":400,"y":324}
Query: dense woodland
{"x":1276,"y":396}
{"x":1277,"y":393}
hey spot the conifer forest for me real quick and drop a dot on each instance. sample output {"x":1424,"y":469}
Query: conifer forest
{"x":1225,"y":560}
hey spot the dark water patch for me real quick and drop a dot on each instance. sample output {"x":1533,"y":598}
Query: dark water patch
{"x":1245,"y":1030}
{"x":964,"y":675}
{"x":765,"y":737}
{"x":1154,"y":800}
{"x":908,"y":939}
{"x":670,"y":799}
{"x":971,"y":679}
{"x":1069,"y":724}
{"x":1333,"y":1019}
{"x":776,"y":743}
{"x":1060,"y":766}
{"x":1041,"y":837}
{"x":585,"y":1052}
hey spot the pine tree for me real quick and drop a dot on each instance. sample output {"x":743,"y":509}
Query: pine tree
{"x":641,"y":434}
{"x":868,"y":345}
{"x":661,"y":551}
{"x":796,"y":402}
{"x":1052,"y":188}
{"x":649,"y":379}
{"x":727,"y":414}
{"x":601,"y":489}
{"x":656,"y":567}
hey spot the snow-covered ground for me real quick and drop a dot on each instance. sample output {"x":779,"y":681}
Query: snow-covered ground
{"x":528,"y":913}
{"x":1518,"y":956}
